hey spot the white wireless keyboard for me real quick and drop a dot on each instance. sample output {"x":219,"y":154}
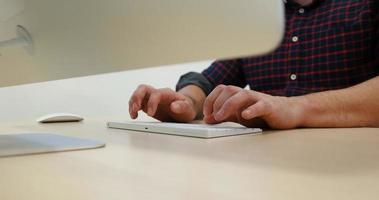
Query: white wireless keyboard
{"x":191,"y":130}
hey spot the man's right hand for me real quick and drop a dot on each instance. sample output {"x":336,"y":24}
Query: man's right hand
{"x":162,"y":104}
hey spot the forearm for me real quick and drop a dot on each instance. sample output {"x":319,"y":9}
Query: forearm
{"x":197,"y":97}
{"x":357,"y":106}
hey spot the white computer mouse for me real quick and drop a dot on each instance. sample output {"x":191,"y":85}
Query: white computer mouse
{"x":59,"y":117}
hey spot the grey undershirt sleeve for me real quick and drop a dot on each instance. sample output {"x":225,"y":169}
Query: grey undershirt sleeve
{"x":195,"y":78}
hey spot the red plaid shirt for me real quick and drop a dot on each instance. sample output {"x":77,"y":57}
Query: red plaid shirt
{"x":331,"y":44}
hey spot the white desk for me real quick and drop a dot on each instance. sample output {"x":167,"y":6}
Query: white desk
{"x":278,"y":165}
{"x":295,"y":164}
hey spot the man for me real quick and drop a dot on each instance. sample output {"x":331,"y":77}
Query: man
{"x":324,"y":74}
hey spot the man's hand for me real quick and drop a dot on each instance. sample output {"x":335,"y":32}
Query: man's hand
{"x":162,"y":104}
{"x":247,"y":107}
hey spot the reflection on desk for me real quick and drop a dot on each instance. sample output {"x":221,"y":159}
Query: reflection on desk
{"x":293,"y":164}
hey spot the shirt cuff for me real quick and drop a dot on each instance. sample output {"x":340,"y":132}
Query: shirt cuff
{"x":194,"y":78}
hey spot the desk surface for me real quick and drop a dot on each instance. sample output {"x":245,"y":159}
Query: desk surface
{"x":293,"y":164}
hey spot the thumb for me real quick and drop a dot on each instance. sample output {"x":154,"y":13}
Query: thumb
{"x":258,"y":109}
{"x":182,"y":111}
{"x":179,"y":106}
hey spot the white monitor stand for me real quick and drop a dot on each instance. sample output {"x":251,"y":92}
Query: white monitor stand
{"x":37,"y":143}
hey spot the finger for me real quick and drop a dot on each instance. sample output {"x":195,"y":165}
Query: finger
{"x":226,"y":94}
{"x":153,"y":103}
{"x":259,"y":109}
{"x":235,"y":103}
{"x":161,"y":96}
{"x":209,"y":101}
{"x":137,"y":98}
{"x":210,"y":119}
{"x":143,"y":106}
{"x":131,"y":108}
{"x":141,"y":93}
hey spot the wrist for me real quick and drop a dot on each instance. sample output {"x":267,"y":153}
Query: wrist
{"x":300,"y":106}
{"x":195,"y":96}
{"x":195,"y":106}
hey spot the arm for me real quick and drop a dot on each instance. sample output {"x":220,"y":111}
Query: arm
{"x":351,"y":107}
{"x":356,"y":106}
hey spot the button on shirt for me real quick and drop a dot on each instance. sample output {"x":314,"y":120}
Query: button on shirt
{"x":331,"y":44}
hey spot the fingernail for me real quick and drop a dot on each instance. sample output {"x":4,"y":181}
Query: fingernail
{"x":149,"y":111}
{"x":175,"y":105}
{"x":247,"y":113}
